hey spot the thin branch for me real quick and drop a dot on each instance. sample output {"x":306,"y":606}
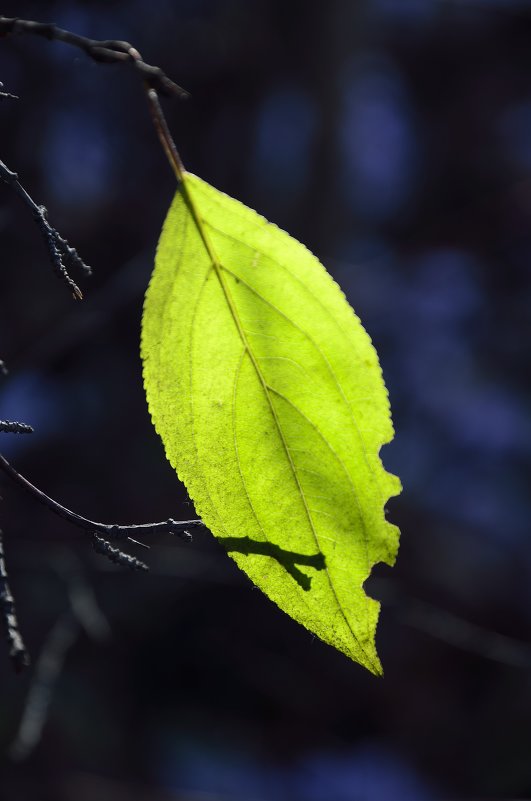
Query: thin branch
{"x":107,"y":530}
{"x":6,"y":95}
{"x":117,"y":556}
{"x":17,"y":650}
{"x":108,"y":51}
{"x":15,"y":428}
{"x":58,"y":248}
{"x":105,"y":51}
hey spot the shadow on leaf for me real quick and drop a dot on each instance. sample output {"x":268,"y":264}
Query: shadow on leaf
{"x":288,"y":559}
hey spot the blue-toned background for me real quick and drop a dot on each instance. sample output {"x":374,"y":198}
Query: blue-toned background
{"x":393,"y":137}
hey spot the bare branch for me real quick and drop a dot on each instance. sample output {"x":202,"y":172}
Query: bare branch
{"x":107,"y":530}
{"x":17,"y":650}
{"x":117,"y":556}
{"x":155,"y":81}
{"x":58,"y":248}
{"x":108,"y":51}
{"x":15,"y":428}
{"x":6,"y":95}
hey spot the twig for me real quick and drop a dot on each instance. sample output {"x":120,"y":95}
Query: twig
{"x":6,"y":426}
{"x":58,"y":248}
{"x":17,"y":649}
{"x":108,"y":530}
{"x":6,"y":95}
{"x":15,"y":428}
{"x":108,"y":51}
{"x":117,"y":556}
{"x":105,"y":51}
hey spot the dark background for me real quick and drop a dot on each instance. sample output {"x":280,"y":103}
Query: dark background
{"x":393,"y":137}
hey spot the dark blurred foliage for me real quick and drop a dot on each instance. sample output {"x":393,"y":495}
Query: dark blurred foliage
{"x":393,"y":137}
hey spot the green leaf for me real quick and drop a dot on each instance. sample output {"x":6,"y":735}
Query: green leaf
{"x":270,"y":402}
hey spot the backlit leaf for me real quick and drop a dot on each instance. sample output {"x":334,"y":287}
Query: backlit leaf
{"x":270,"y":402}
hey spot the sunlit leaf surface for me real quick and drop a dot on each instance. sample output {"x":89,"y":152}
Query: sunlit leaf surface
{"x":270,"y":402}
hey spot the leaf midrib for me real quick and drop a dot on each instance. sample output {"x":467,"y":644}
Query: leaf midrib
{"x":218,"y":269}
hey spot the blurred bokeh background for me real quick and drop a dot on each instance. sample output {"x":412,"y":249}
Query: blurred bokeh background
{"x":393,"y":137}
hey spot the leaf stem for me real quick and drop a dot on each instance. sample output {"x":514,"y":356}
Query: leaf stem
{"x":163,"y":132}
